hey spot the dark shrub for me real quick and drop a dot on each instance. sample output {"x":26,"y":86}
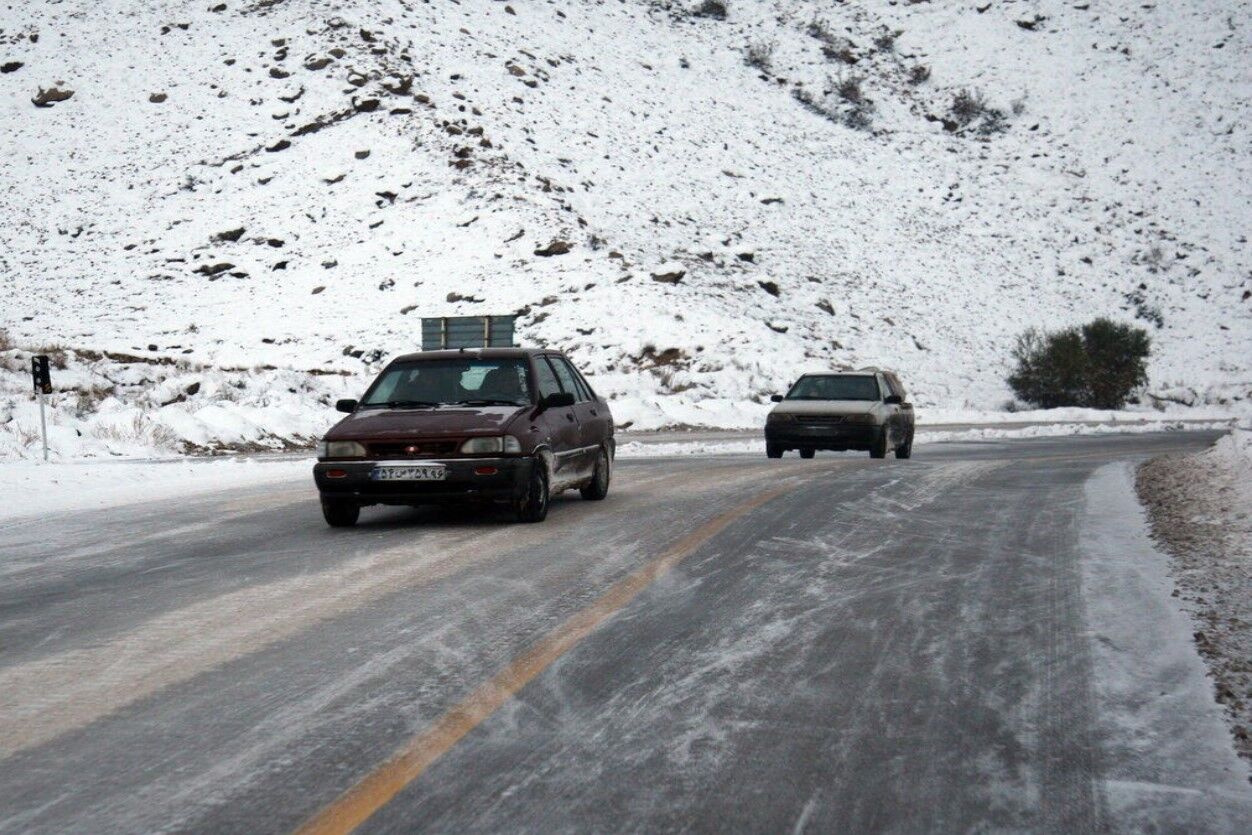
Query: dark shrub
{"x":760,"y":54}
{"x":710,"y":8}
{"x":919,"y":74}
{"x":1097,"y":366}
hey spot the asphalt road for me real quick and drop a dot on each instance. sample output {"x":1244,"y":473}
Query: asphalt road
{"x":725,"y":644}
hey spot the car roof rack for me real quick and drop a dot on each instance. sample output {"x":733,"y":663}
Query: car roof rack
{"x":443,"y":332}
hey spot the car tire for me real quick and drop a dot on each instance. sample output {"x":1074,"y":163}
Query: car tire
{"x":879,"y":449}
{"x":773,"y":451}
{"x":339,"y":513}
{"x":905,"y":451}
{"x":807,"y":453}
{"x":598,"y":487}
{"x":532,"y":506}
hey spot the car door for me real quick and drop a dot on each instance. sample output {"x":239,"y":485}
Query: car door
{"x":596,"y":419}
{"x":906,"y":408}
{"x":583,"y":458}
{"x":892,"y":423}
{"x":560,"y":426}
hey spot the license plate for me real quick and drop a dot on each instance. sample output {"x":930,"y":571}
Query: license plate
{"x":426,"y":472}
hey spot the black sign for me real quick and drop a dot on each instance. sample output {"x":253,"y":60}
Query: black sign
{"x":40,"y":374}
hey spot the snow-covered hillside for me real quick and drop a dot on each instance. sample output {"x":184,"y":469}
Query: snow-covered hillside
{"x":294,"y":183}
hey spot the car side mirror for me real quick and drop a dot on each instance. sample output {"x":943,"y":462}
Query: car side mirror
{"x":777,"y":398}
{"x":557,"y":400}
{"x":348,"y":406}
{"x":893,"y":400}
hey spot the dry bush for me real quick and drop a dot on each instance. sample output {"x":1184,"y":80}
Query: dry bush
{"x":760,"y":55}
{"x":711,"y":9}
{"x":6,"y":342}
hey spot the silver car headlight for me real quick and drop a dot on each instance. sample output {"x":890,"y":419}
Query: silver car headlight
{"x":495,"y":443}
{"x":340,"y":449}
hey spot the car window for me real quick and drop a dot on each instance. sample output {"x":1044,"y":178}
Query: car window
{"x":545,"y":378}
{"x":836,"y":387}
{"x":566,"y":375}
{"x":896,"y":386}
{"x":587,"y":393}
{"x":451,"y":381}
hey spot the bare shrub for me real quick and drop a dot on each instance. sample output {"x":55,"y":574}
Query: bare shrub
{"x":6,"y":342}
{"x":139,"y":429}
{"x":848,"y":88}
{"x":970,"y":110}
{"x":886,"y":40}
{"x":58,"y":355}
{"x":821,"y":30}
{"x":87,"y":400}
{"x":920,"y":74}
{"x":760,"y":55}
{"x":710,"y":9}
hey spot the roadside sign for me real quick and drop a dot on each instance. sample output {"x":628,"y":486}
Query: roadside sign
{"x":41,"y":374}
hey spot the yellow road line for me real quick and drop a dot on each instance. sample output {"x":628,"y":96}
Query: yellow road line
{"x":376,"y":789}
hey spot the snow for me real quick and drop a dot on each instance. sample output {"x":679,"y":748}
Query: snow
{"x":1168,"y":756}
{"x":639,"y":135}
{"x":756,"y":446}
{"x":34,"y":487}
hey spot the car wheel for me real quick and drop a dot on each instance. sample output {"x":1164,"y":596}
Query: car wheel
{"x":532,"y":506}
{"x":773,"y":451}
{"x":879,"y":449}
{"x":339,"y":513}
{"x":598,"y":487}
{"x":807,"y":453}
{"x":905,"y":451}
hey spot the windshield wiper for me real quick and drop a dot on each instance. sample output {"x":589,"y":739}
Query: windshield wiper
{"x":489,"y":401}
{"x":408,"y":404}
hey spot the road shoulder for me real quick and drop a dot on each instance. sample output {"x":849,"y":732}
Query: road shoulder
{"x":1168,"y":761}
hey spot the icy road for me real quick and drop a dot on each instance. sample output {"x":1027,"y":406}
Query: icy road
{"x":980,"y":638}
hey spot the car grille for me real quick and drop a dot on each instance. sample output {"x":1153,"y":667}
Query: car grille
{"x":820,"y":420}
{"x":400,"y":450}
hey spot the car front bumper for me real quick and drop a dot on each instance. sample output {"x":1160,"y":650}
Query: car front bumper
{"x":462,"y":483}
{"x":836,"y":436}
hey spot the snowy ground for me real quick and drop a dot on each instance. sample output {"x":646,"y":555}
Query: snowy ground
{"x":1201,"y":511}
{"x":313,"y":177}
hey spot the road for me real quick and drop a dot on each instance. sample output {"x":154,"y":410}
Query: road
{"x":725,"y":643}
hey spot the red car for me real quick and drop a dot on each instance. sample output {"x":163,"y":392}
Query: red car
{"x":507,"y":425}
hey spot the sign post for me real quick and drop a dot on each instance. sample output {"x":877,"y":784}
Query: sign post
{"x":42,"y":377}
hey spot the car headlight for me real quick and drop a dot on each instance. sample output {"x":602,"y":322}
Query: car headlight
{"x":340,"y":449}
{"x":860,"y":419}
{"x":495,"y":443}
{"x":775,"y":417}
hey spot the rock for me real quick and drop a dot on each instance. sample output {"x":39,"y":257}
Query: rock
{"x":338,"y":52}
{"x":316,"y":64}
{"x":671,"y":277}
{"x":281,"y":265}
{"x":407,"y":309}
{"x":515,"y":70}
{"x":457,"y":297}
{"x":220,"y":7}
{"x":771,"y":288}
{"x":362,"y":154}
{"x":231,"y":235}
{"x":556,"y":247}
{"x":51,"y":96}
{"x":826,"y":307}
{"x":366,"y":105}
{"x":750,"y":257}
{"x":318,"y":289}
{"x":275,"y":242}
{"x":280,"y":145}
{"x":193,"y":389}
{"x":776,"y":328}
{"x":330,"y":264}
{"x":157,"y":98}
{"x":276,"y":72}
{"x":214,"y":269}
{"x":11,"y":66}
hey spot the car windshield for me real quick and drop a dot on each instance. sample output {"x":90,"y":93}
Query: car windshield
{"x":469,"y":382}
{"x":835,"y":387}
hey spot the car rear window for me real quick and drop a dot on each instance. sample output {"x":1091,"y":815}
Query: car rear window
{"x":835,"y":387}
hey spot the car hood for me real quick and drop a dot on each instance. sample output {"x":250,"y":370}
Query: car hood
{"x":458,"y":421}
{"x":825,"y":407}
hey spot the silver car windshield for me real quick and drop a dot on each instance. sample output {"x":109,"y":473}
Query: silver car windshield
{"x":835,"y":387}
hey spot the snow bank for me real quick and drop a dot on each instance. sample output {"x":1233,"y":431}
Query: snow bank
{"x":33,"y":487}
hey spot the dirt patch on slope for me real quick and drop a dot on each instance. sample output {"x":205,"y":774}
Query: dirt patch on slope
{"x":1199,"y":513}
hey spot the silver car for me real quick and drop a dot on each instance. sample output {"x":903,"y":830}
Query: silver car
{"x":864,"y":410}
